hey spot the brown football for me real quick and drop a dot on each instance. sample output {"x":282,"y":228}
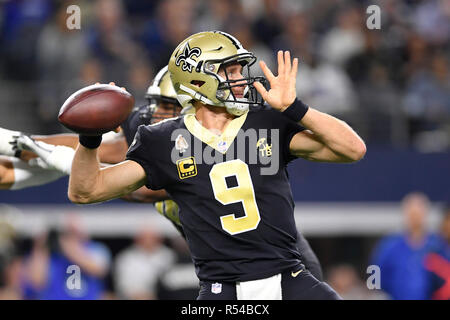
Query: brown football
{"x":96,"y":109}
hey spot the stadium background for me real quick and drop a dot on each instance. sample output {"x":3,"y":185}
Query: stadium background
{"x":391,"y":85}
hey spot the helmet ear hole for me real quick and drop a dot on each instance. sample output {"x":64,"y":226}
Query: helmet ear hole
{"x":197,"y":83}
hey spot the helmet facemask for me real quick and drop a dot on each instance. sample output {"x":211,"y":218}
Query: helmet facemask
{"x":150,"y":115}
{"x":225,"y":94}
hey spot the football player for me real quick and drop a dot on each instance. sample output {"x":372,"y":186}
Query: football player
{"x":162,"y":104}
{"x":237,"y":217}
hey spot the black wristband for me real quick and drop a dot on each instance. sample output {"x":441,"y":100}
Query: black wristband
{"x":90,"y":142}
{"x":296,"y":111}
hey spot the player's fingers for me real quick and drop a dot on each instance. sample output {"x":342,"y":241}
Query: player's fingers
{"x":287,"y":62}
{"x":117,"y":130}
{"x":294,"y":68}
{"x":97,"y":83}
{"x":280,"y":62}
{"x":112,"y":83}
{"x":269,"y":75}
{"x":260,"y":88}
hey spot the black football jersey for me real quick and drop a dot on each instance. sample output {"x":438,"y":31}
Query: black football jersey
{"x":136,"y":118}
{"x":236,"y":205}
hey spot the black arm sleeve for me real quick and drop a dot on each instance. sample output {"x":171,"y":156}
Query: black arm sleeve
{"x":291,"y":129}
{"x":288,"y":129}
{"x":141,"y":151}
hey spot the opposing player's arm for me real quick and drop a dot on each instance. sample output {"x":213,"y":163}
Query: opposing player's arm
{"x":61,"y":139}
{"x":328,"y":139}
{"x":112,"y":150}
{"x":16,"y":174}
{"x":89,"y":183}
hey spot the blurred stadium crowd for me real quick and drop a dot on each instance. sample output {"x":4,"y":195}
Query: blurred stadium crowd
{"x":150,"y":266}
{"x":412,"y":264}
{"x":392,"y":85}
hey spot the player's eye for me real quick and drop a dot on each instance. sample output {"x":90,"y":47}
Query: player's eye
{"x":233,"y":73}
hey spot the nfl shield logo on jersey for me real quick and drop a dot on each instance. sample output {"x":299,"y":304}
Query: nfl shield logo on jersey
{"x":216,"y":288}
{"x":222,"y":146}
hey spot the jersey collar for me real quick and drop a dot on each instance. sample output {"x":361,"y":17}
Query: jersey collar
{"x":220,"y":143}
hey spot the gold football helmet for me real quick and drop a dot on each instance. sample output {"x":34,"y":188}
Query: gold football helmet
{"x":194,"y":67}
{"x":160,"y":91}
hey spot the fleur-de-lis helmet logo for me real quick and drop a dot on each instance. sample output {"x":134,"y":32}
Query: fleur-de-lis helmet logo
{"x":186,"y":57}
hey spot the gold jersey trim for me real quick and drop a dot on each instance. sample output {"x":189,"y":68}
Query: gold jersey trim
{"x":220,"y":143}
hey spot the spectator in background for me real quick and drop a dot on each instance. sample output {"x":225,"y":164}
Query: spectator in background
{"x":297,"y":37}
{"x":218,"y":15}
{"x":432,"y":21}
{"x":61,"y":53}
{"x":172,"y":24}
{"x":138,"y":267}
{"x":427,"y":96}
{"x":417,"y":53}
{"x":21,"y":23}
{"x":179,"y":281}
{"x":241,"y":30}
{"x":47,"y":266}
{"x":139,"y":77}
{"x":321,"y":84}
{"x":326,"y":87}
{"x":401,"y":256}
{"x":376,"y":51}
{"x":269,"y":25}
{"x":437,"y":262}
{"x":345,"y":39}
{"x":345,"y":280}
{"x":10,"y":277}
{"x":379,"y":100}
{"x":10,"y":264}
{"x":110,"y":40}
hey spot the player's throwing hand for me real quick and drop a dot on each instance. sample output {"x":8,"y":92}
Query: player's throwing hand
{"x":282,"y":91}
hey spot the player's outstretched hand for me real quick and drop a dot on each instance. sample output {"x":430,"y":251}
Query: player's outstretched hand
{"x":7,"y":145}
{"x":50,"y":156}
{"x":282,"y":91}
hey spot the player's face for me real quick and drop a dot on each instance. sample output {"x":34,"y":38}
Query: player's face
{"x":233,"y":71}
{"x":165,"y":110}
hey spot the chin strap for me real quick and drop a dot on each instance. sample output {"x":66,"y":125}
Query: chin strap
{"x":194,"y":95}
